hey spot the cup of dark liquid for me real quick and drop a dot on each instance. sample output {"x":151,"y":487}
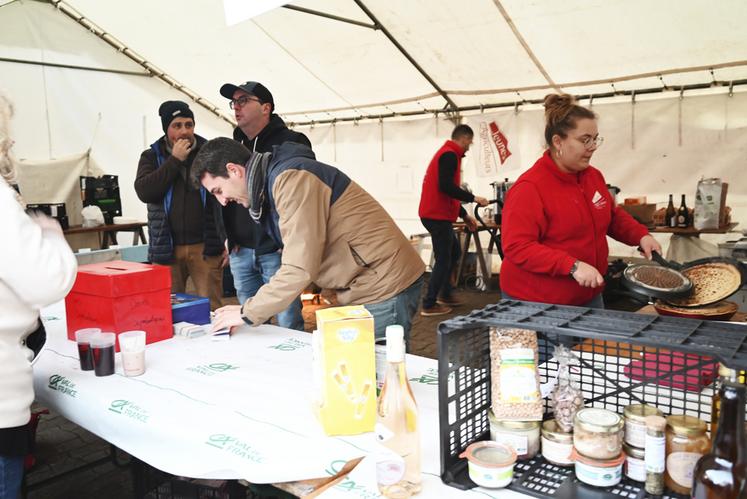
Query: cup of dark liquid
{"x":102,"y":347}
{"x":83,"y":339}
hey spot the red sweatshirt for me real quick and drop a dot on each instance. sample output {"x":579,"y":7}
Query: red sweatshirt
{"x":550,"y":220}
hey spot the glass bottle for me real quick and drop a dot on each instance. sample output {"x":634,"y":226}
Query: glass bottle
{"x":725,"y":374}
{"x":655,"y":454}
{"x":398,"y":466}
{"x":670,"y":217}
{"x":717,"y":474}
{"x":683,"y":216}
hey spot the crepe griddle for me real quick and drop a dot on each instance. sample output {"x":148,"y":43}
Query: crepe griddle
{"x":656,"y":281}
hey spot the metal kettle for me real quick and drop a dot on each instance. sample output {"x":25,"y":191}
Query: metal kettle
{"x":499,"y":193}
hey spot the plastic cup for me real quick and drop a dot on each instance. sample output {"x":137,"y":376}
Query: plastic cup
{"x":83,"y":339}
{"x":102,"y":346}
{"x":132,"y":348}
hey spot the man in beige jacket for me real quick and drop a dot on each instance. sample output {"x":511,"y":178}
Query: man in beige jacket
{"x":332,"y":232}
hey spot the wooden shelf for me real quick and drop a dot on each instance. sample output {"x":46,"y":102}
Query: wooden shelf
{"x":692,"y":231}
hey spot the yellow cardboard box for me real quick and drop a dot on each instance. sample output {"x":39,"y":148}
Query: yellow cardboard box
{"x":345,"y":370}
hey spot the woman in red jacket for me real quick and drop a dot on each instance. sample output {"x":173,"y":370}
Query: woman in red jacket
{"x":559,"y":213}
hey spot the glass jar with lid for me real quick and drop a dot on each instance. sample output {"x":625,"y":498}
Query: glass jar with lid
{"x":523,"y":436}
{"x":597,"y":433}
{"x":557,"y":445}
{"x":686,"y":443}
{"x":635,"y":423}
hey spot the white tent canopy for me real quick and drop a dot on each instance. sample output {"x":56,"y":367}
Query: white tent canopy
{"x":90,"y":74}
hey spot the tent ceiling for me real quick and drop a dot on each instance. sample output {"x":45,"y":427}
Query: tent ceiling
{"x":479,"y":51}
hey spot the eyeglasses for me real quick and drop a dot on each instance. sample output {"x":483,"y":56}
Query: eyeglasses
{"x":241,"y":101}
{"x":592,"y":142}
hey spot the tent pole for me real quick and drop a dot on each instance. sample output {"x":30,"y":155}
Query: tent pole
{"x":480,"y":107}
{"x":71,"y":66}
{"x":330,"y":16}
{"x":452,"y":106}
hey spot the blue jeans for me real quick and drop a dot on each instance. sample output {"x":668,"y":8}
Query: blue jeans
{"x":251,"y":271}
{"x":11,"y":475}
{"x":399,"y":309}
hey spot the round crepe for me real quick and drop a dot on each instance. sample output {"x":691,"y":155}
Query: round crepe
{"x":721,"y":309}
{"x":712,"y":282}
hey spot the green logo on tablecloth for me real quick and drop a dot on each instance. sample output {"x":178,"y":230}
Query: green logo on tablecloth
{"x":129,"y":409}
{"x":430,"y":377}
{"x":234,"y":446}
{"x":349,"y":485}
{"x":212,"y":369}
{"x":63,"y":385}
{"x":290,"y":344}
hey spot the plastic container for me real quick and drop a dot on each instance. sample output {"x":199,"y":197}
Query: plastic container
{"x":132,"y":348}
{"x":523,"y":436}
{"x":598,"y":433}
{"x":83,"y":339}
{"x":490,"y":464}
{"x":557,"y":446}
{"x":599,"y":472}
{"x":635,"y":423}
{"x":102,"y":347}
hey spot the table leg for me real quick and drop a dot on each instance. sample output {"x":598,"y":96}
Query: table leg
{"x":463,"y":256}
{"x":481,"y":260}
{"x":141,"y":233}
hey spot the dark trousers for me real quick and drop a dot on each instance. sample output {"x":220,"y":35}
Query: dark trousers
{"x":446,"y":252}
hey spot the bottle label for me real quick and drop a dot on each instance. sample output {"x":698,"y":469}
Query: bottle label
{"x":655,"y":454}
{"x":390,"y":468}
{"x":382,"y":433}
{"x":635,"y":434}
{"x":519,"y":443}
{"x":380,"y":366}
{"x":557,"y":452}
{"x":635,"y":469}
{"x":680,"y":466}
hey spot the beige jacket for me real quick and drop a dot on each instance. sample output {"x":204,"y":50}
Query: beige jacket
{"x":352,"y":246}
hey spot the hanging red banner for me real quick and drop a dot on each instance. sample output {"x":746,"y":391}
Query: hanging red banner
{"x":501,"y":143}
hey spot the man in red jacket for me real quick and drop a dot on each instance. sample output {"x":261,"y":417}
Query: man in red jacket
{"x":440,"y":205}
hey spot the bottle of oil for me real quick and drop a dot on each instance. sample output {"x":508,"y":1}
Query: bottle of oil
{"x":398,"y":465}
{"x":724,"y":374}
{"x":683,"y":215}
{"x":720,"y":474}
{"x":670,"y":217}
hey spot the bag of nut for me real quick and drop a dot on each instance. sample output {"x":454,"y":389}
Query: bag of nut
{"x":515,"y":389}
{"x":567,"y":398}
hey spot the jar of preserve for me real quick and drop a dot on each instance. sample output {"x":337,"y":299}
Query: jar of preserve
{"x":522,"y":436}
{"x":597,"y":433}
{"x":635,"y":464}
{"x":635,"y":423}
{"x":686,"y":443}
{"x":557,"y":446}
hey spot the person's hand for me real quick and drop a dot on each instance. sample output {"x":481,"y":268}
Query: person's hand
{"x":588,"y":276}
{"x":481,"y":201}
{"x":181,"y":149}
{"x":45,"y":222}
{"x":224,"y":256}
{"x":471,"y":223}
{"x":649,"y":244}
{"x":227,"y":317}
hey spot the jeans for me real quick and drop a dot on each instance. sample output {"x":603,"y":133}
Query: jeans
{"x":446,"y":252}
{"x":11,"y":475}
{"x":545,"y":345}
{"x":399,"y":309}
{"x":251,"y":271}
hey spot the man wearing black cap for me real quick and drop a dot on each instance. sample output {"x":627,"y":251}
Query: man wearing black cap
{"x":181,"y":224}
{"x":253,"y":256}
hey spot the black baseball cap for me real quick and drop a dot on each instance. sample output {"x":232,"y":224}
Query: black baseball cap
{"x":251,"y":87}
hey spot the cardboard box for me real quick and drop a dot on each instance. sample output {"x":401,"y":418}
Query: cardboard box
{"x":345,"y":370}
{"x":121,"y":296}
{"x":190,"y":308}
{"x":644,"y":213}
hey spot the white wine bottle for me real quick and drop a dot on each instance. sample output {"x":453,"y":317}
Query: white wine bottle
{"x":398,"y":465}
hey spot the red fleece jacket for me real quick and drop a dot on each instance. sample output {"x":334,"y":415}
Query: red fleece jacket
{"x":550,"y":220}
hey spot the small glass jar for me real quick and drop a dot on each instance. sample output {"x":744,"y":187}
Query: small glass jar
{"x":523,"y":436}
{"x":557,"y":446}
{"x":599,"y":472}
{"x":686,"y":443}
{"x":597,"y":433}
{"x":635,"y":464}
{"x":635,"y":423}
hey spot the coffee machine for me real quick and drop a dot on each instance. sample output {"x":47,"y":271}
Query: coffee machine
{"x":499,"y":194}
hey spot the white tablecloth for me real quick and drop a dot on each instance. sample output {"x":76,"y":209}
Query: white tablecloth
{"x":234,"y":409}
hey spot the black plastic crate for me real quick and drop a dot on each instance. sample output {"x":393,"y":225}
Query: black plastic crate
{"x":625,"y":358}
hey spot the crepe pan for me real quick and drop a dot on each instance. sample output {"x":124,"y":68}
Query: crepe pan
{"x":739,"y":267}
{"x":647,"y":291}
